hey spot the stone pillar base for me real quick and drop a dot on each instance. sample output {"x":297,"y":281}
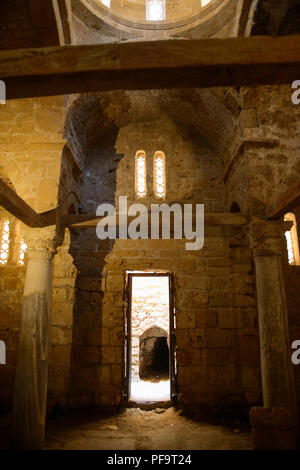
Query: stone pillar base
{"x":272,"y":429}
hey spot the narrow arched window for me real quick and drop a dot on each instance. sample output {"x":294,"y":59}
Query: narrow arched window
{"x":22,"y":252}
{"x":20,"y":246}
{"x":159,"y":174}
{"x":4,"y":241}
{"x":292,"y":240}
{"x":140,"y":174}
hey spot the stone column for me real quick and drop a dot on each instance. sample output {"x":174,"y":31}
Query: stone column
{"x":267,"y":242}
{"x":31,"y":375}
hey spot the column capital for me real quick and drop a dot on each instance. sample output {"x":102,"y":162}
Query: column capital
{"x":42,"y":243}
{"x":266,"y":237}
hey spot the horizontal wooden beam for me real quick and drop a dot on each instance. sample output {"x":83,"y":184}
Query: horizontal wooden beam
{"x":150,"y":65}
{"x":16,"y":206}
{"x":89,"y":220}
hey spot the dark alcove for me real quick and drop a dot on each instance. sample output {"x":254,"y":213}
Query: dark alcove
{"x":154,"y":356}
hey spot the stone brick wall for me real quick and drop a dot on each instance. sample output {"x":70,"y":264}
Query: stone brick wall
{"x":265,"y":164}
{"x":11,"y":292}
{"x":36,"y":163}
{"x":12,"y":278}
{"x":292,"y":282}
{"x":31,"y":133}
{"x":61,"y":332}
{"x":215,"y":299}
{"x":217,"y":339}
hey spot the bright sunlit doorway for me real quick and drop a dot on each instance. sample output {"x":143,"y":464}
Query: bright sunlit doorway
{"x":150,"y":365}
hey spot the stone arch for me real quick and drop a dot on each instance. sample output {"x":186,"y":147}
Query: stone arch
{"x":154,"y":354}
{"x":200,"y":113}
{"x":235,"y":208}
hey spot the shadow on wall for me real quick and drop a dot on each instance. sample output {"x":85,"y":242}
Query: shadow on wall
{"x":91,"y":342}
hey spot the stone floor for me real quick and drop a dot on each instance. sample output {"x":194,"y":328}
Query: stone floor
{"x":137,"y":429}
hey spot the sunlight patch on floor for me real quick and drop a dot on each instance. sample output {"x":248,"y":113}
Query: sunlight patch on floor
{"x":142,"y":391}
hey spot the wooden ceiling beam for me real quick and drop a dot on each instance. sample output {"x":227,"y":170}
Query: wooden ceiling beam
{"x":16,"y":206}
{"x":89,"y":220}
{"x":150,"y":65}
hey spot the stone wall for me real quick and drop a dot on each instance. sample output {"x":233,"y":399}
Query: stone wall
{"x":215,"y":298}
{"x":264,"y":164}
{"x":12,"y":278}
{"x":292,"y":282}
{"x":217,"y":338}
{"x":36,"y":163}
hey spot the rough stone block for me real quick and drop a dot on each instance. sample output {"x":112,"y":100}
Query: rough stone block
{"x":206,"y":318}
{"x":218,"y":299}
{"x":185,"y":318}
{"x":217,"y":338}
{"x":191,"y":375}
{"x":197,"y":338}
{"x":195,"y":298}
{"x":221,"y":375}
{"x":115,"y":283}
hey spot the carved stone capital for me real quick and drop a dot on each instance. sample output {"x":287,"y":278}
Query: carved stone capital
{"x":42,"y":243}
{"x":266,"y":237}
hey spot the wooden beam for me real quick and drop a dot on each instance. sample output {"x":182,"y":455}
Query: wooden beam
{"x":89,"y":220}
{"x":16,"y":206}
{"x":150,"y":65}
